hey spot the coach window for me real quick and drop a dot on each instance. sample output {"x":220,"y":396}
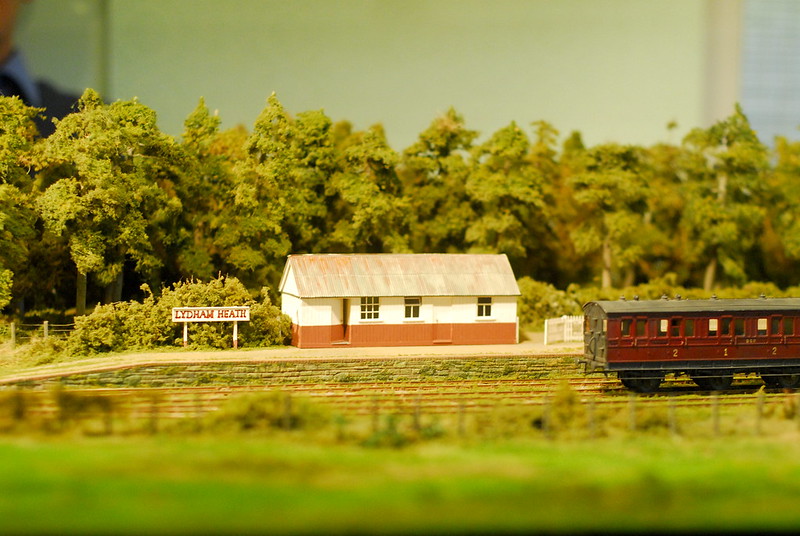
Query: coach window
{"x":663,"y":326}
{"x":641,"y":324}
{"x":739,"y":324}
{"x":688,"y":327}
{"x":726,"y":326}
{"x":761,"y":326}
{"x":788,"y":326}
{"x":775,"y":325}
{"x":675,"y":327}
{"x":713,"y":326}
{"x":626,"y":327}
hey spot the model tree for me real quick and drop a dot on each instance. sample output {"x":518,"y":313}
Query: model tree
{"x":611,"y":191}
{"x":506,"y":194}
{"x":17,"y":136}
{"x":366,"y":211}
{"x":103,"y":197}
{"x":723,"y":216}
{"x":434,"y":172}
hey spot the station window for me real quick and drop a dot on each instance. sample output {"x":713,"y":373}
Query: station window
{"x":739,"y":323}
{"x":688,"y":327}
{"x":370,"y":308}
{"x":485,"y":306}
{"x":412,"y":307}
{"x":761,"y":326}
{"x":713,"y":326}
{"x":641,"y":324}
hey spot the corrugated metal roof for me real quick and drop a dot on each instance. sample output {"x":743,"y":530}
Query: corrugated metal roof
{"x":698,"y":306}
{"x":346,"y":276}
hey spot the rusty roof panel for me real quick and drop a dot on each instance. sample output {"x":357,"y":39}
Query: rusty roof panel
{"x":340,"y":275}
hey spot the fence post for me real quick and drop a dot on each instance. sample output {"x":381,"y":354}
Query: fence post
{"x":461,"y":421}
{"x":759,"y":410}
{"x":715,"y":413}
{"x":632,"y":410}
{"x":46,"y":328}
{"x":673,"y":418}
{"x":797,"y":409}
{"x":13,"y":335}
{"x":546,"y":326}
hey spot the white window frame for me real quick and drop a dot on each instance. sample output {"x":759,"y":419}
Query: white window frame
{"x":411,"y":307}
{"x":370,"y":308}
{"x":485,"y":306}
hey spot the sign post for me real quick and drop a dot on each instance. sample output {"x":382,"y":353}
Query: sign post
{"x":233,"y":314}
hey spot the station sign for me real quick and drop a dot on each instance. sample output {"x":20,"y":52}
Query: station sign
{"x":233,"y":314}
{"x":211,"y":314}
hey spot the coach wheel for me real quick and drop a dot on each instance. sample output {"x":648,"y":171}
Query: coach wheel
{"x":718,"y":382}
{"x":783,"y":381}
{"x":641,"y":382}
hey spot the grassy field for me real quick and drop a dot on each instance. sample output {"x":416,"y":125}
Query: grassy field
{"x":282,"y":484}
{"x":243,"y":469}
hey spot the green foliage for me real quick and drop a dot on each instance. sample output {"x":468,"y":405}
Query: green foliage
{"x":17,"y":220}
{"x":130,"y":325}
{"x":112,"y":195}
{"x":105,"y":197}
{"x":539,"y":301}
{"x":267,"y":412}
{"x":6,"y":278}
{"x":17,"y":136}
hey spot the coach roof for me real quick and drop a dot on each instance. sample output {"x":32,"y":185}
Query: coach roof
{"x":619,"y":307}
{"x":333,"y":275}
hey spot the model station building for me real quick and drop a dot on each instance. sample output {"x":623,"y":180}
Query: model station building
{"x":399,"y":299}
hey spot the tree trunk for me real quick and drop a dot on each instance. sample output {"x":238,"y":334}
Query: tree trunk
{"x":113,"y":292}
{"x":711,"y":274}
{"x":606,"y":277}
{"x":80,"y":295}
{"x":630,"y":277}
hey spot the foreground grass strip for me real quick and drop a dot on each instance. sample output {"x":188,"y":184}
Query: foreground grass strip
{"x":283,"y":484}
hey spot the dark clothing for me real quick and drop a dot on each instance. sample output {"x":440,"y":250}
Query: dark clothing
{"x":56,"y":104}
{"x":15,"y":80}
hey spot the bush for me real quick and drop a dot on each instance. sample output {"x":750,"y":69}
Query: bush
{"x":264,"y":412}
{"x":539,"y":301}
{"x":134,"y":325}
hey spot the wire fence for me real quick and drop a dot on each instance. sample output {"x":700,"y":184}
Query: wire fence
{"x":21,"y":333}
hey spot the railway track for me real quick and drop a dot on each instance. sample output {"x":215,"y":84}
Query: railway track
{"x":364,"y":398}
{"x":348,"y":387}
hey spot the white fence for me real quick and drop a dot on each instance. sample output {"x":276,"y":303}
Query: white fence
{"x":564,"y":329}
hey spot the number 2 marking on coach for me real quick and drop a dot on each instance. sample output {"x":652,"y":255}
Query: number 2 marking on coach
{"x":774,"y":350}
{"x":674,"y":352}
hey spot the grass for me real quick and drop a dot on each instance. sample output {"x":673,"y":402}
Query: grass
{"x":277,"y":484}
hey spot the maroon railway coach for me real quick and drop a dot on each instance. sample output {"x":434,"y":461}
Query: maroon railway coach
{"x":708,"y":340}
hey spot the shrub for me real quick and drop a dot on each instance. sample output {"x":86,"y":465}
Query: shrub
{"x":263,"y":412}
{"x":134,"y":325}
{"x":539,"y":301}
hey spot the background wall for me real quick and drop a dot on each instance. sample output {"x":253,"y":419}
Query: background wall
{"x":617,"y":70}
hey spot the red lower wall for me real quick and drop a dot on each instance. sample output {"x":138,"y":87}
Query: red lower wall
{"x":404,"y":334}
